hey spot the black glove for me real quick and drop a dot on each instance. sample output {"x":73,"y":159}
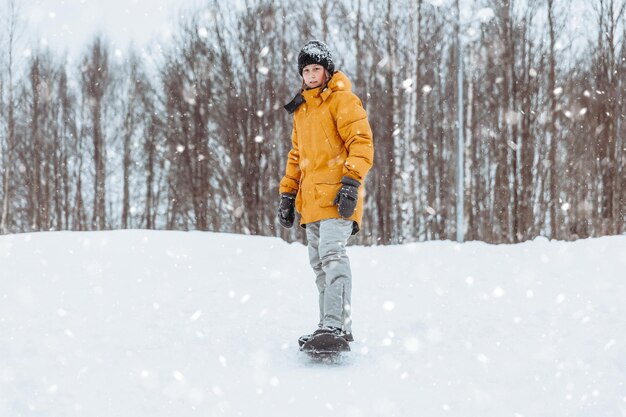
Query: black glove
{"x":287,"y":210}
{"x":347,"y":197}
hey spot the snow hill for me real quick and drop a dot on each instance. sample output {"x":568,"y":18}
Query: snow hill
{"x":139,"y":323}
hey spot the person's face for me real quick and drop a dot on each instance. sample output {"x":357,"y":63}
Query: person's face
{"x":313,"y":75}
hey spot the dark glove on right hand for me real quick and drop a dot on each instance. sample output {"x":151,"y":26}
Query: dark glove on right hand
{"x":287,"y":210}
{"x":347,"y":197}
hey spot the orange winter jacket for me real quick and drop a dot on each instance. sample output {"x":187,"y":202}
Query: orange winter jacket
{"x":331,"y":138}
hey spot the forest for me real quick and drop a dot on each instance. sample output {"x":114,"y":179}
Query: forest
{"x":193,"y":135}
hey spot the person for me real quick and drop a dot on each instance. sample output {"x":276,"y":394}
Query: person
{"x":331,"y":154}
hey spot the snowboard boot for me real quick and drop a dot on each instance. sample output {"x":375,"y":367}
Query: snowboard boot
{"x":306,"y":337}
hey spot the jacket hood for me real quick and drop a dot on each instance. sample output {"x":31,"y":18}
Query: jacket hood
{"x":339,"y":82}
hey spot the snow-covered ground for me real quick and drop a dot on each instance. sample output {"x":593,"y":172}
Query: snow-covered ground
{"x":138,"y":323}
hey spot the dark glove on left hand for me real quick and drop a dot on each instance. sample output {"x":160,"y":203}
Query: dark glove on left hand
{"x":347,"y":197}
{"x":287,"y":210}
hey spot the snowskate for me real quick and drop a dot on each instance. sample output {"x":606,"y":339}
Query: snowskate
{"x":325,"y":343}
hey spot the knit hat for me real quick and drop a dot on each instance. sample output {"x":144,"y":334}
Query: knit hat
{"x":316,"y":52}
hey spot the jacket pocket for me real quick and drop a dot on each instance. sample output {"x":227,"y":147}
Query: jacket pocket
{"x":325,"y":193}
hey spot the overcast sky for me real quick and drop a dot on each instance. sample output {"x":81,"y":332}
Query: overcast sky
{"x":70,"y":24}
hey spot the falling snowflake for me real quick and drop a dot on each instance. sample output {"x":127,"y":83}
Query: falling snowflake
{"x":203,"y":32}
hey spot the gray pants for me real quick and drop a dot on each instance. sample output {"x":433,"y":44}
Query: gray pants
{"x":327,"y":240}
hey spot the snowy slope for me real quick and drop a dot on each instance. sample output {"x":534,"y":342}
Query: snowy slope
{"x":137,"y":323}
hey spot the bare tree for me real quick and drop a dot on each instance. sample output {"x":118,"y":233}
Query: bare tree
{"x":95,"y":81}
{"x":68,"y":136}
{"x":12,"y":23}
{"x":552,"y":129}
{"x":132,"y":108}
{"x":607,"y":111}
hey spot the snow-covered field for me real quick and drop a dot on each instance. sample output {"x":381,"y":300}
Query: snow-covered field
{"x":138,"y":323}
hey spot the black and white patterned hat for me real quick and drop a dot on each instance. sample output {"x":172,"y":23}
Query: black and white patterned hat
{"x":316,"y":52}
